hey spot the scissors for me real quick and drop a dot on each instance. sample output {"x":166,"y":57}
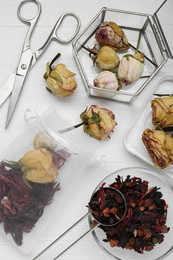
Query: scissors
{"x":16,"y":81}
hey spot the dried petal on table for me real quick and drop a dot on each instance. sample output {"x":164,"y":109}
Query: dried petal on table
{"x":98,"y":122}
{"x":162,"y":111}
{"x":111,"y":34}
{"x":159,"y":146}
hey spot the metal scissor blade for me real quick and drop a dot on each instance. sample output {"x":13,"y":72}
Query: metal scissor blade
{"x":21,"y":74}
{"x":14,"y":97}
{"x":7,"y":88}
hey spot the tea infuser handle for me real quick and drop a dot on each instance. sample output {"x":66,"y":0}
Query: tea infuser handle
{"x":77,"y":240}
{"x":62,"y":235}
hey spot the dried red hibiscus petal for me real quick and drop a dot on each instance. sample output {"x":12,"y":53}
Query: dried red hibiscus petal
{"x":144,"y":225}
{"x":20,"y":205}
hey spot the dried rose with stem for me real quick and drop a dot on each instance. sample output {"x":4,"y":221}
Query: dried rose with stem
{"x":104,"y":57}
{"x":131,"y":67}
{"x":60,"y":81}
{"x":97,"y":122}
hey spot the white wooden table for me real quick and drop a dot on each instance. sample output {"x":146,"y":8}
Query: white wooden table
{"x":12,"y":33}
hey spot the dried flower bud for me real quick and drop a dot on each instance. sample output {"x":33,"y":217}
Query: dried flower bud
{"x":131,"y":68}
{"x":42,"y":140}
{"x":38,"y":166}
{"x":110,"y":34}
{"x":106,"y":80}
{"x":162,"y":111}
{"x":159,"y":146}
{"x":60,"y":81}
{"x":107,"y":59}
{"x":98,"y":122}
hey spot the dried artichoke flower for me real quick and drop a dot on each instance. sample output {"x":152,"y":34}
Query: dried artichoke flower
{"x":131,"y":68}
{"x":162,"y":111}
{"x":98,"y":122}
{"x":38,"y":166}
{"x":106,"y":80}
{"x":159,"y":146}
{"x":111,"y":34}
{"x":43,"y":140}
{"x":60,"y":81}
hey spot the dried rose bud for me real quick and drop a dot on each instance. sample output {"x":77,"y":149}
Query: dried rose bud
{"x":131,"y":68}
{"x":162,"y":111}
{"x":42,"y":140}
{"x":60,"y":81}
{"x":98,"y":122}
{"x":110,"y":34}
{"x":107,"y":59}
{"x":159,"y":146}
{"x":106,"y":80}
{"x":38,"y":166}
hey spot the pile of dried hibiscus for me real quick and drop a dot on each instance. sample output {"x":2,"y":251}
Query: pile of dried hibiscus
{"x":145,"y":222}
{"x":20,"y":205}
{"x":26,"y":187}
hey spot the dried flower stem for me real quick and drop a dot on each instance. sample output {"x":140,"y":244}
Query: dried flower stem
{"x":152,"y":62}
{"x":138,"y":42}
{"x":70,"y":128}
{"x":91,"y":51}
{"x":162,"y":95}
{"x":55,"y":58}
{"x":76,"y":126}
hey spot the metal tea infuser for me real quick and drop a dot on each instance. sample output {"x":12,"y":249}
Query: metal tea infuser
{"x":97,"y":223}
{"x":28,"y":58}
